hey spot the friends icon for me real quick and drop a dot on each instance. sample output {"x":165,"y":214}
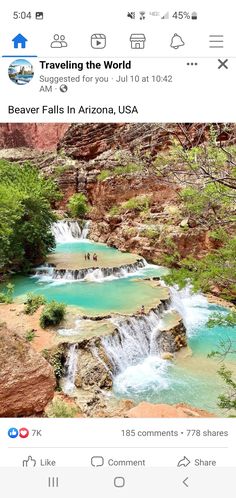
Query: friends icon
{"x":59,"y":41}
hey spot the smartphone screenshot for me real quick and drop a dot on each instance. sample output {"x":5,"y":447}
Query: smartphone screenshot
{"x":117,"y":249}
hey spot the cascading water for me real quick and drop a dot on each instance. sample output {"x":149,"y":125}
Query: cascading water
{"x":69,"y":231}
{"x":91,"y":274}
{"x":136,"y":340}
{"x":193,"y":308}
{"x":66,"y":231}
{"x":85,"y":231}
{"x":71,"y":369}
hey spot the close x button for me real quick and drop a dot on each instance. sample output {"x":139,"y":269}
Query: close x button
{"x":223,"y":64}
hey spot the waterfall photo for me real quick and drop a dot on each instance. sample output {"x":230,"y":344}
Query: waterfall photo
{"x":118,"y":270}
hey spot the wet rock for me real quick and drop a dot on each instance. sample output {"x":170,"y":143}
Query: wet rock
{"x":93,"y":370}
{"x":173,"y":339}
{"x":27,"y":380}
{"x":167,"y":356}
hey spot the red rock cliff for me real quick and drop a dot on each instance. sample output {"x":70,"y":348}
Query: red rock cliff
{"x":41,"y":136}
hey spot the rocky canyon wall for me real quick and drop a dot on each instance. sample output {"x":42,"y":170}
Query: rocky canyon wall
{"x":40,"y":136}
{"x":75,"y":155}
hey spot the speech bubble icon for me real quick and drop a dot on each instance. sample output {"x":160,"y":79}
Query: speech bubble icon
{"x":97,"y":461}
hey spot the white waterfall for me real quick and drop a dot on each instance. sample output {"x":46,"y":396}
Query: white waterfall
{"x":71,"y":369}
{"x":50,"y":273}
{"x":69,"y":231}
{"x":135,"y":340}
{"x":193,"y":308}
{"x":85,"y":230}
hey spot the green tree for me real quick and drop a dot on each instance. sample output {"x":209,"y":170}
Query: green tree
{"x":216,"y":269}
{"x":78,"y":205}
{"x":226,"y":348}
{"x":26,"y":216}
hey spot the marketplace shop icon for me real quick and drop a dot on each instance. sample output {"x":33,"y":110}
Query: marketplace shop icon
{"x":20,"y":71}
{"x":137,"y":41}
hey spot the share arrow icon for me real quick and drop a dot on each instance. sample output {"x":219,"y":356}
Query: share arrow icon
{"x":184,"y":462}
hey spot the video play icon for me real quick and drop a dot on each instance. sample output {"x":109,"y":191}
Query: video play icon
{"x":98,"y":40}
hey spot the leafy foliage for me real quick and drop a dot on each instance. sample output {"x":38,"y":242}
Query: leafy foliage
{"x":216,"y":269}
{"x":55,"y":358}
{"x":33,"y":302}
{"x":52,"y":314}
{"x":6,"y":296}
{"x":222,"y":319}
{"x":25,"y":215}
{"x":30,"y":335}
{"x":140,"y":203}
{"x":127,"y":169}
{"x":228,"y":400}
{"x":151,"y":232}
{"x":78,"y":205}
{"x":226,"y":347}
{"x":60,"y":409}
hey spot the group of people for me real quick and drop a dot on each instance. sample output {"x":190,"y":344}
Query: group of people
{"x":88,"y":256}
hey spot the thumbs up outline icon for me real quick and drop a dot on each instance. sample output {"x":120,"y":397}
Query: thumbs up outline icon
{"x":30,"y":462}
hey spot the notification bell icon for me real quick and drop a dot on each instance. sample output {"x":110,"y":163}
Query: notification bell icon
{"x":176,"y":41}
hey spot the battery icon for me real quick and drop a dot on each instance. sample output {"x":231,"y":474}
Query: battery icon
{"x":194,"y":16}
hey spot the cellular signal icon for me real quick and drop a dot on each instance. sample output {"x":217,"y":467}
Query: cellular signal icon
{"x":166,"y":16}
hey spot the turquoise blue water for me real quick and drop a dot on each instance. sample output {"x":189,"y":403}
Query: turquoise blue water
{"x":86,"y":246}
{"x":122,"y":295}
{"x":193,"y":379}
{"x":102,"y":296}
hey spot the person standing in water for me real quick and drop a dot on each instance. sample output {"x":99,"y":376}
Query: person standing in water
{"x":88,"y":256}
{"x":142,"y":310}
{"x":85,"y":257}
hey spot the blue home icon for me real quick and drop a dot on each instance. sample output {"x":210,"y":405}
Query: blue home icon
{"x":19,"y":40}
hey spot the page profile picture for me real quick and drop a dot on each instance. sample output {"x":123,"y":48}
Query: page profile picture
{"x":20,"y":71}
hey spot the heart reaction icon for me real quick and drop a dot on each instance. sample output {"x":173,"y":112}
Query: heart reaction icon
{"x":23,"y":432}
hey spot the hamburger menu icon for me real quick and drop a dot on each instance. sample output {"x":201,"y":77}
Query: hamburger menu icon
{"x":98,"y":40}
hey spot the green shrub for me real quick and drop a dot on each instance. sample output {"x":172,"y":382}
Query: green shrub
{"x":30,"y":335}
{"x":104,"y":174}
{"x":78,"y":205}
{"x":150,"y":233}
{"x":219,"y":234}
{"x":33,"y":302}
{"x":55,"y":358}
{"x":114,"y":211}
{"x":6,"y":296}
{"x":127,"y":169}
{"x":52,"y":314}
{"x":120,"y":170}
{"x":60,"y":409}
{"x":139,"y":203}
